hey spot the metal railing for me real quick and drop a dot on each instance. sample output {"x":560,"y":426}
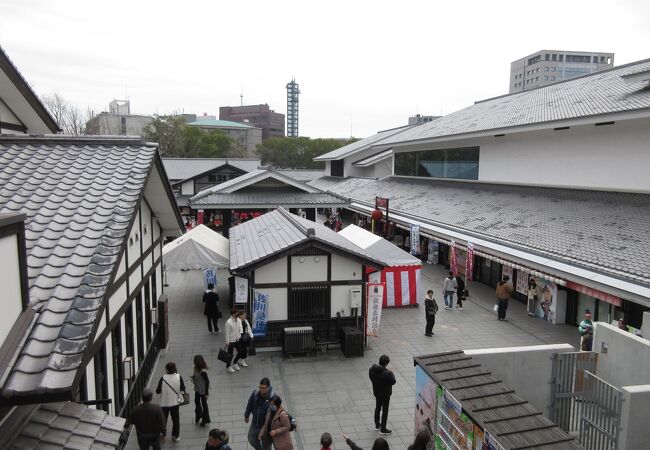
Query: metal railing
{"x":600,"y":422}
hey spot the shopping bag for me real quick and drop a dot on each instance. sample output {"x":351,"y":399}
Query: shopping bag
{"x":495,"y":308}
{"x":223,"y":356}
{"x":184,"y":399}
{"x":251,"y":349}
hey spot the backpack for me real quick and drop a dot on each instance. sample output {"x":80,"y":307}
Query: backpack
{"x":292,"y":421}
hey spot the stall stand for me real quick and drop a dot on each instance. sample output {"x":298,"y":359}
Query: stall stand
{"x":402,"y":275}
{"x":463,"y":407}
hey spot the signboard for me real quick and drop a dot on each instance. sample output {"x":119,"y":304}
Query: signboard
{"x":522,"y":282}
{"x":425,"y":404}
{"x":453,"y":258}
{"x":375,"y":299}
{"x":210,"y":277}
{"x":433,"y":249}
{"x":381,"y":203}
{"x":241,"y":290}
{"x":469,"y":268}
{"x":506,"y":271}
{"x":415,"y":239}
{"x":260,"y":313}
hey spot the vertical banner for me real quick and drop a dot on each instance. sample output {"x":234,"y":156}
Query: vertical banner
{"x":453,"y":258}
{"x":432,"y":257}
{"x":199,"y":217}
{"x":210,"y":277}
{"x":522,"y":282}
{"x":507,"y":271}
{"x":415,"y":239}
{"x":260,"y":313}
{"x":469,"y":268}
{"x":241,"y":290}
{"x":375,"y":299}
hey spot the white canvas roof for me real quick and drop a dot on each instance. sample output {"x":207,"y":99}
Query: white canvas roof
{"x":378,"y":247}
{"x":199,"y":248}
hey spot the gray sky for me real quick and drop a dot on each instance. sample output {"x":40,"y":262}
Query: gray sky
{"x":361,"y":65}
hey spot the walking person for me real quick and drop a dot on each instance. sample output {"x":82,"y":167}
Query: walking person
{"x":586,"y":330}
{"x":201,"y":391}
{"x":245,"y":339}
{"x":421,"y":441}
{"x":382,"y":380}
{"x":277,"y":426}
{"x":257,"y":406}
{"x":504,"y":291}
{"x":533,"y":294}
{"x":430,"y":310}
{"x":217,"y":440}
{"x":170,"y":386}
{"x":450,"y":286}
{"x":460,"y":292}
{"x":233,"y":334}
{"x":211,"y":308}
{"x":149,"y":421}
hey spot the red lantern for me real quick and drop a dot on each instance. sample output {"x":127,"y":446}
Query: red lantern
{"x":377,"y":215}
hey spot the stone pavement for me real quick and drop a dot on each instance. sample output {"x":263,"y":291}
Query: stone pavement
{"x":331,"y":393}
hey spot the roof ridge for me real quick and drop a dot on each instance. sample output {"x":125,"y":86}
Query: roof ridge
{"x":296,"y":223}
{"x":69,"y":139}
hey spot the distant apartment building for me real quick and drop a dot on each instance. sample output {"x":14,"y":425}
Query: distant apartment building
{"x":260,"y":116}
{"x":247,"y":136}
{"x":118,"y":121}
{"x":548,"y":66}
{"x":420,"y":119}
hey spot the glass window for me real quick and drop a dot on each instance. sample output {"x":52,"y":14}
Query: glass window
{"x":545,"y":77}
{"x":561,"y":58}
{"x":552,"y":78}
{"x":553,"y":69}
{"x":458,"y":163}
{"x":555,"y":57}
{"x":545,"y":69}
{"x":546,"y":57}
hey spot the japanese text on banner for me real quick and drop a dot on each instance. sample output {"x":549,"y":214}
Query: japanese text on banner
{"x":375,"y":300}
{"x":260,"y":313}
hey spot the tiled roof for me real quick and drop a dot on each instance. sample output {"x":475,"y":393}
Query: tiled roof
{"x":361,"y":144}
{"x":607,"y":231}
{"x":279,"y":230}
{"x":589,"y":95}
{"x":184,"y":168}
{"x":79,"y":195}
{"x":69,"y":426}
{"x":268,"y":199}
{"x":510,"y":419}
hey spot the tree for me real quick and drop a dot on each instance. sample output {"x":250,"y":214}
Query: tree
{"x":68,"y":116}
{"x":290,"y":152}
{"x":169,"y":133}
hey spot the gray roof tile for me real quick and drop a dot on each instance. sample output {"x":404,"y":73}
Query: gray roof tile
{"x":184,"y":168}
{"x":79,"y":196}
{"x":606,"y":231}
{"x":265,"y":199}
{"x":585,"y":96}
{"x":360,"y":145}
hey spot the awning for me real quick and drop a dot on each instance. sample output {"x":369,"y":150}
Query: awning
{"x":199,"y":248}
{"x":604,"y":296}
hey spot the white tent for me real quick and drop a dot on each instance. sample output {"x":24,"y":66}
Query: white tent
{"x":199,"y":248}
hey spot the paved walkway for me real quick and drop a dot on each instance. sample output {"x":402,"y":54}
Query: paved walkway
{"x":331,"y":393}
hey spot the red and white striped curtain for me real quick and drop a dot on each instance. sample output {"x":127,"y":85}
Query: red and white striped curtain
{"x":402,"y":285}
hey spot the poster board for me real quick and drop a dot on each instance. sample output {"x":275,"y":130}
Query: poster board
{"x":241,"y":290}
{"x":425,"y":404}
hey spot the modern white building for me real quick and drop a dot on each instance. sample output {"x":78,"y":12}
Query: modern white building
{"x":550,"y":183}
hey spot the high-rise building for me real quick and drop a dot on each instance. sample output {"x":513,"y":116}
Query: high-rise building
{"x":548,"y":66}
{"x":293,"y":92}
{"x":118,"y":121}
{"x":260,"y":116}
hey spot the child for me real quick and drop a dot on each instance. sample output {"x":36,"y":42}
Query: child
{"x":325,"y":441}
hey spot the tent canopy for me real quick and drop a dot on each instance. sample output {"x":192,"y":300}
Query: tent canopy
{"x":199,"y":248}
{"x":379,"y":247}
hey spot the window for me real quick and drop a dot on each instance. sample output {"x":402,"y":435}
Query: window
{"x":552,"y":78}
{"x":555,"y":57}
{"x":336,"y":168}
{"x":309,"y":302}
{"x":546,"y":69}
{"x":222,"y":178}
{"x":457,"y":163}
{"x":561,"y":58}
{"x":602,"y":59}
{"x":212,"y":178}
{"x":536,"y":78}
{"x":546,"y":55}
{"x":553,"y":69}
{"x":578,"y":59}
{"x":123,"y":126}
{"x":545,"y":77}
{"x":595,"y":59}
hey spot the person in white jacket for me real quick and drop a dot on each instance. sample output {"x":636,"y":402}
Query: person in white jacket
{"x":245,"y":339}
{"x":170,"y":386}
{"x":233,"y":333}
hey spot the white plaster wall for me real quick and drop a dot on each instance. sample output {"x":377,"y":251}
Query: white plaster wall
{"x":527,"y":369}
{"x":383,"y":168}
{"x":147,"y":233}
{"x":187,"y":188}
{"x":116,"y":300}
{"x":156,"y":230}
{"x":11,"y":299}
{"x":121,"y":269}
{"x":312,"y":268}
{"x":635,"y":417}
{"x":346,"y":269}
{"x":91,"y":393}
{"x":133,"y":243}
{"x":273,"y":272}
{"x":627,"y":361}
{"x":159,"y":285}
{"x":328,"y":168}
{"x":156,"y":252}
{"x":146,"y":264}
{"x":277,"y":303}
{"x":7,"y":116}
{"x":134,"y":279}
{"x":341,"y":299}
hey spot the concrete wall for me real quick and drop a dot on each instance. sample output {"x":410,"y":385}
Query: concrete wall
{"x":635,"y":417}
{"x":607,"y":157}
{"x":12,"y":297}
{"x":627,"y":361}
{"x":527,"y":370}
{"x":645,"y":325}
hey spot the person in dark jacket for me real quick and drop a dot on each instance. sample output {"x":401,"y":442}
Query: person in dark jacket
{"x":201,"y":390}
{"x":211,"y":308}
{"x":217,"y":440}
{"x":149,"y":422}
{"x":382,"y":380}
{"x":460,"y":292}
{"x":430,"y":310}
{"x":379,"y":444}
{"x":257,"y":406}
{"x":421,"y":442}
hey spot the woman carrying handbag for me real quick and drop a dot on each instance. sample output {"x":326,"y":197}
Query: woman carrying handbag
{"x":245,"y":340}
{"x":201,"y":391}
{"x":170,"y":386}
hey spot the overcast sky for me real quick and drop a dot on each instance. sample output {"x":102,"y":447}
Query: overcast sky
{"x":362,"y":66}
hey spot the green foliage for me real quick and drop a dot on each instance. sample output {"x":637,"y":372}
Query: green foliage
{"x":175,"y":139}
{"x":297,"y":153}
